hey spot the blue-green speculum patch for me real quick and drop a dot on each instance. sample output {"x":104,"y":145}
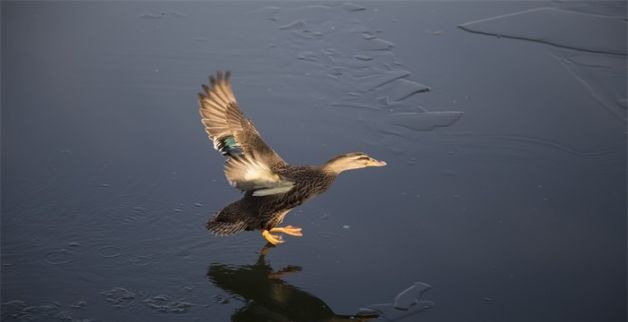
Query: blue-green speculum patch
{"x":229,"y":146}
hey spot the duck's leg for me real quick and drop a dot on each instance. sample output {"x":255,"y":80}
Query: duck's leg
{"x":289,"y":230}
{"x":273,"y":239}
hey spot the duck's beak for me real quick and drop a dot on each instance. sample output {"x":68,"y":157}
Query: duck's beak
{"x":376,"y":163}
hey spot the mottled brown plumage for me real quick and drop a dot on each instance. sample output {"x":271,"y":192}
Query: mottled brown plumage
{"x":266,"y":212}
{"x":271,"y":186}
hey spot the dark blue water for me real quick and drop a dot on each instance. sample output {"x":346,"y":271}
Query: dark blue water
{"x":503,"y":125}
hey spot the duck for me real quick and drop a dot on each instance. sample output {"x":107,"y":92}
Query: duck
{"x":271,"y":187}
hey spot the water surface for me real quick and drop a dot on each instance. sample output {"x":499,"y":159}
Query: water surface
{"x":504,"y":198}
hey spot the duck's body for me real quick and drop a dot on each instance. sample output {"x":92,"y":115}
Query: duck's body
{"x":271,"y":186}
{"x":267,"y":212}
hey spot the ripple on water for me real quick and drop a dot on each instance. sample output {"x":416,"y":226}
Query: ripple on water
{"x":352,"y":7}
{"x":362,"y":57}
{"x":17,"y":310}
{"x":163,"y":304}
{"x":403,"y":88}
{"x":425,"y":121}
{"x":408,"y":302}
{"x":603,"y":76}
{"x":109,"y":251}
{"x":294,"y":25}
{"x":142,"y":260}
{"x":119,"y":296}
{"x":560,"y":28}
{"x":308,"y":56}
{"x":60,"y":256}
{"x":376,"y":44}
{"x":356,"y":67}
{"x":162,"y":15}
{"x":371,"y":82}
{"x":410,"y":296}
{"x":122,"y":297}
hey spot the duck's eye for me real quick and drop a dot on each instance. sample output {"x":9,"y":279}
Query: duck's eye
{"x":364,"y":158}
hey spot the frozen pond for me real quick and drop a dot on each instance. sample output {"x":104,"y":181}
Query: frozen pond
{"x":503,"y":125}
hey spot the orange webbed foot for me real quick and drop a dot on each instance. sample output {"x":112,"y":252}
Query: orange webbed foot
{"x":272,"y":239}
{"x":288,"y":230}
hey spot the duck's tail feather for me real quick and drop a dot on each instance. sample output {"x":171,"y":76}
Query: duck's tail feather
{"x":221,"y":227}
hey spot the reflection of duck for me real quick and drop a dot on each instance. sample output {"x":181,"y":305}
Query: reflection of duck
{"x":271,"y":186}
{"x":269,"y":298}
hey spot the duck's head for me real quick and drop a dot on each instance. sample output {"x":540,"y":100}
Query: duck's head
{"x":350,"y":161}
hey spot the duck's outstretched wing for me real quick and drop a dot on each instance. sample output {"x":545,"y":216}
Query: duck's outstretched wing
{"x":251,"y":162}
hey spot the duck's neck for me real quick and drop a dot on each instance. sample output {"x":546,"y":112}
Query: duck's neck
{"x":337,"y":165}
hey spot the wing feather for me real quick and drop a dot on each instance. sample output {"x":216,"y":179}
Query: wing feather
{"x":248,"y":174}
{"x":251,"y":163}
